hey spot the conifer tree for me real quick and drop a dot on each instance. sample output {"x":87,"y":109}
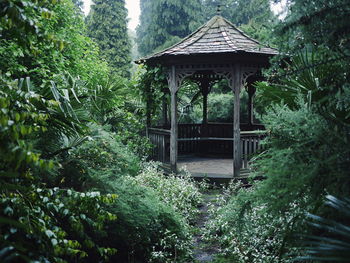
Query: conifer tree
{"x":107,"y":25}
{"x":164,"y":22}
{"x":253,"y":16}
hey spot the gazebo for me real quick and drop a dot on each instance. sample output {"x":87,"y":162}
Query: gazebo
{"x":215,"y":51}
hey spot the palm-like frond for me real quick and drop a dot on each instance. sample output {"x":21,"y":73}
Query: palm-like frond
{"x":334,"y":243}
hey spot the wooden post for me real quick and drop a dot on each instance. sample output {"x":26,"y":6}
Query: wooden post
{"x":237,"y":153}
{"x":148,"y":115}
{"x":251,"y":92}
{"x":164,"y":110}
{"x":203,"y":145}
{"x":173,"y":132}
{"x":205,"y":90}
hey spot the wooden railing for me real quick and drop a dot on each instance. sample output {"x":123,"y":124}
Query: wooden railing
{"x":250,"y":145}
{"x":189,"y":138}
{"x":160,"y":138}
{"x":213,"y":139}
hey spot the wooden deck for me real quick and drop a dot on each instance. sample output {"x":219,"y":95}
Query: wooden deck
{"x":207,"y":167}
{"x":207,"y":153}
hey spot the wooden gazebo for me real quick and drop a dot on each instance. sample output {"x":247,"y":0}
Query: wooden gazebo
{"x":216,"y":50}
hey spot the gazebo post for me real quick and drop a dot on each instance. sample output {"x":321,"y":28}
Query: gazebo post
{"x":204,"y":85}
{"x":148,"y":115}
{"x":251,"y":92}
{"x":173,"y":87}
{"x":205,"y":91}
{"x":237,"y":154}
{"x":164,"y":109}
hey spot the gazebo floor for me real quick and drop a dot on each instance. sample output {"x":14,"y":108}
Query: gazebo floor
{"x":206,"y":166}
{"x":214,"y":168}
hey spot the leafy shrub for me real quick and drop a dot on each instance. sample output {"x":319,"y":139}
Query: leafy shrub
{"x":98,"y":162}
{"x":180,"y":191}
{"x":220,"y":107}
{"x":245,"y":229}
{"x":39,"y":223}
{"x":56,"y":225}
{"x":306,"y":158}
{"x":147,"y":229}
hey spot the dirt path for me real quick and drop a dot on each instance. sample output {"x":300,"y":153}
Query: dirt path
{"x":204,"y":252}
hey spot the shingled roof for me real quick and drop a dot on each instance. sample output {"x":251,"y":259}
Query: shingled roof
{"x":217,"y":36}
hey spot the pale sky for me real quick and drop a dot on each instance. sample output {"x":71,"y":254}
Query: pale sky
{"x":133,"y":7}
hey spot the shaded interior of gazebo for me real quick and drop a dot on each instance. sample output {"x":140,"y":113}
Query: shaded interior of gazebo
{"x":217,"y":50}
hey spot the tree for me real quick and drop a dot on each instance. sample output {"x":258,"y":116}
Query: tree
{"x":107,"y":24}
{"x":164,"y":22}
{"x":320,"y":23}
{"x":253,"y":16}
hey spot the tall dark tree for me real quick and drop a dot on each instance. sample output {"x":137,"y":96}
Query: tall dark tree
{"x":163,"y":22}
{"x":107,"y":24}
{"x":321,"y":23}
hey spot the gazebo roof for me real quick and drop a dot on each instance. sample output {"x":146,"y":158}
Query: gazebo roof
{"x":217,"y":36}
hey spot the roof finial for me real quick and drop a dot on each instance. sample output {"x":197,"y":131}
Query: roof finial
{"x":218,"y":10}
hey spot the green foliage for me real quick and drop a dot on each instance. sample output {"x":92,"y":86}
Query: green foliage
{"x":20,"y":117}
{"x":304,"y":159}
{"x":56,"y":42}
{"x":220,"y":107}
{"x":98,"y":163}
{"x":333,"y":243}
{"x":247,"y":232}
{"x":153,"y":214}
{"x":320,"y":23}
{"x":145,"y":226}
{"x":254,"y":17}
{"x":107,"y":25}
{"x":151,"y":83}
{"x":178,"y":191}
{"x":55,"y":225}
{"x":163,"y":21}
{"x":41,"y":224}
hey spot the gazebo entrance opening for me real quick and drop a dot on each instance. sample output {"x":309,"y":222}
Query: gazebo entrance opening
{"x":217,"y":50}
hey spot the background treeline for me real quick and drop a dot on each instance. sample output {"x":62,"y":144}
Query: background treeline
{"x":163,"y":23}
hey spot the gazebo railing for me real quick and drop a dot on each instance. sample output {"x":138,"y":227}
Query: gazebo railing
{"x":192,"y":140}
{"x":250,"y":145}
{"x":160,"y":138}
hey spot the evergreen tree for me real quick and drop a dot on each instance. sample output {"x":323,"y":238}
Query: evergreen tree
{"x":253,"y":16}
{"x":164,"y":22}
{"x":107,"y":24}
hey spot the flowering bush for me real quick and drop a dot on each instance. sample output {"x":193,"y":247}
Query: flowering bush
{"x":247,"y":232}
{"x":180,"y":191}
{"x":179,"y":196}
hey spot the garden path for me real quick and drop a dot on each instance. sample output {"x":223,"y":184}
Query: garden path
{"x":204,"y":252}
